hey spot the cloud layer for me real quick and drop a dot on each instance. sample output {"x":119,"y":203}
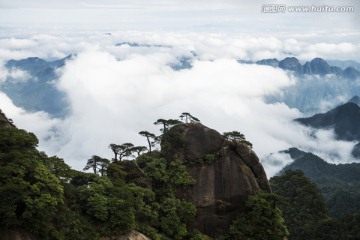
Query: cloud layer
{"x":117,"y":91}
{"x":111,"y":100}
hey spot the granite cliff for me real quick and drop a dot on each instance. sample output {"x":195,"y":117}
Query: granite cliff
{"x":225,"y":174}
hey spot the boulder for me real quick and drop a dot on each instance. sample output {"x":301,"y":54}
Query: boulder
{"x":225,"y":174}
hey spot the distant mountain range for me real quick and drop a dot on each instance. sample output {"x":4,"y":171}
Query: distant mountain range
{"x":135,"y":44}
{"x":38,"y":92}
{"x":344,"y":64}
{"x":317,"y":66}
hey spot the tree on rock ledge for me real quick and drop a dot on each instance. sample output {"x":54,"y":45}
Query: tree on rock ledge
{"x":167,"y":124}
{"x":237,"y":137}
{"x":187,"y":117}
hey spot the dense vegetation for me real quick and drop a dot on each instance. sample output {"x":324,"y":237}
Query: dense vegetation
{"x":44,"y":196}
{"x":339,"y":184}
{"x":260,"y":220}
{"x":305,"y":212}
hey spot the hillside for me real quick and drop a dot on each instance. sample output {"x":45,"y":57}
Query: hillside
{"x":344,"y":120}
{"x":338,"y":183}
{"x":36,"y":90}
{"x":199,"y":185}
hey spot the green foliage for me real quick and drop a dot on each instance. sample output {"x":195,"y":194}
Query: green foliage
{"x":44,"y":196}
{"x":304,"y":205}
{"x":167,"y":175}
{"x":167,"y":124}
{"x":173,"y":139}
{"x":121,"y":217}
{"x":97,"y":164}
{"x":188,"y":118}
{"x":116,"y":174}
{"x":58,"y":167}
{"x":208,"y":159}
{"x":237,"y":137}
{"x":151,"y":139}
{"x":139,"y":149}
{"x":174,"y":215}
{"x":121,"y":151}
{"x":261,"y":220}
{"x":30,"y":192}
{"x":340,"y":184}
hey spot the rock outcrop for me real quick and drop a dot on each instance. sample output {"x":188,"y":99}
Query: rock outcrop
{"x":134,"y":235}
{"x":225,"y":174}
{"x":4,"y":121}
{"x":16,"y":235}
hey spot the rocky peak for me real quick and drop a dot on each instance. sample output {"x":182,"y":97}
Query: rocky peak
{"x":317,"y":66}
{"x":351,"y":73}
{"x":269,"y":62}
{"x":4,"y":121}
{"x":292,"y":64}
{"x":356,"y":100}
{"x":225,"y":174}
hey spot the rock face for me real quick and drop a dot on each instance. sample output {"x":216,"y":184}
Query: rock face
{"x":134,"y":235}
{"x":225,"y":172}
{"x":15,"y":235}
{"x":292,"y":64}
{"x":4,"y":121}
{"x":317,"y":66}
{"x":269,"y":62}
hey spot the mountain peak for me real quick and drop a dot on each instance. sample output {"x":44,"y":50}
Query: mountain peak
{"x":316,"y":66}
{"x":292,"y":64}
{"x":356,"y":100}
{"x":344,"y":119}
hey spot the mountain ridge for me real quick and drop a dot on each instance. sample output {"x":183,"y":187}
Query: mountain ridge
{"x":38,"y":91}
{"x":344,"y":119}
{"x":316,"y":66}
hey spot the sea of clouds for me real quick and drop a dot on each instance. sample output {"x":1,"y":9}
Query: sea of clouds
{"x":116,"y":91}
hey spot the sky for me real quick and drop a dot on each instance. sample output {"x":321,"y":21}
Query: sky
{"x":116,"y":91}
{"x":186,"y":15}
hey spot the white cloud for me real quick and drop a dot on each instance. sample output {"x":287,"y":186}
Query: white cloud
{"x":15,"y":74}
{"x":341,"y":51}
{"x":113,"y":100}
{"x":117,"y":91}
{"x":40,"y":123}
